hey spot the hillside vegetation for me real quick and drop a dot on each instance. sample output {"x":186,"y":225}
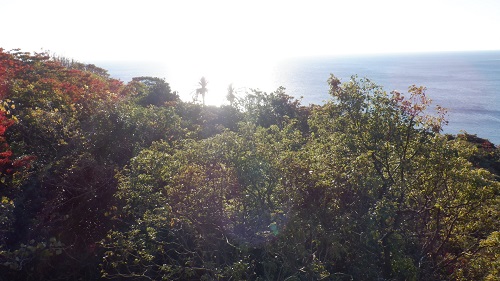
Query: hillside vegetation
{"x":101,"y":179}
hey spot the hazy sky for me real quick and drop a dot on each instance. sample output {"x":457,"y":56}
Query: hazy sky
{"x":214,"y":30}
{"x":238,"y":41}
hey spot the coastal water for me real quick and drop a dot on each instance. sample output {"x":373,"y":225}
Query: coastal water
{"x":466,"y":83}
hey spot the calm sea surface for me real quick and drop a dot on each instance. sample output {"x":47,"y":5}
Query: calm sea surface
{"x":466,"y":83}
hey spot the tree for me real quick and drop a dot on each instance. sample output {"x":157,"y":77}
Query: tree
{"x":409,"y":194}
{"x":199,"y":207}
{"x":128,"y":178}
{"x":65,"y":194}
{"x":13,"y":170}
{"x":275,"y":108}
{"x":153,"y":91}
{"x":203,"y":89}
{"x":231,"y":95}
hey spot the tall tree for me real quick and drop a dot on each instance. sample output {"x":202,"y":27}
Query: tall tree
{"x":203,"y":89}
{"x":231,"y":96}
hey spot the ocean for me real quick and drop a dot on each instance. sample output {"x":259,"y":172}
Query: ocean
{"x":466,"y":83}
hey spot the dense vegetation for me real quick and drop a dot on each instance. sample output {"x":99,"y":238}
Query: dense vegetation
{"x":101,"y":179}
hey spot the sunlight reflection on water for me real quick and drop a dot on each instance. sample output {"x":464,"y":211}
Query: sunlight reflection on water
{"x":467,"y":84}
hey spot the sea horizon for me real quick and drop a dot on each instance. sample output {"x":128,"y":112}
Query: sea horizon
{"x":467,"y":83}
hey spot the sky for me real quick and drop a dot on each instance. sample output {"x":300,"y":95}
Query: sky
{"x":181,"y":30}
{"x":216,"y":36}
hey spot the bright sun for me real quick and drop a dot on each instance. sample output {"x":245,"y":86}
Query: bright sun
{"x":220,"y":72}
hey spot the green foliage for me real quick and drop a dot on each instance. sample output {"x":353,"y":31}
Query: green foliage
{"x":62,"y":194}
{"x":276,"y":108}
{"x":105,"y":180}
{"x":201,"y":122}
{"x":405,"y":196}
{"x":31,"y":259}
{"x":211,"y":200}
{"x":153,"y":91}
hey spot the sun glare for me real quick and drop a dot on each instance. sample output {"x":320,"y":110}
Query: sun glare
{"x":243,"y":74}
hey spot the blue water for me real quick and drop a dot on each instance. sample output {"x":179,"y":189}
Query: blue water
{"x":466,"y":83}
